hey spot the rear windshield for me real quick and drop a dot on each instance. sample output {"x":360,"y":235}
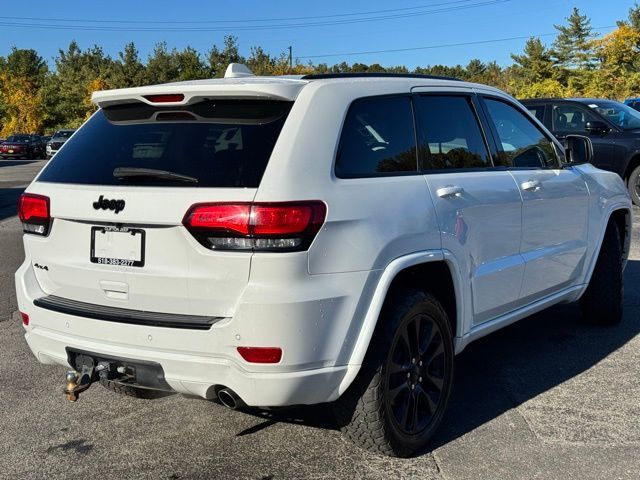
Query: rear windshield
{"x":213,"y":143}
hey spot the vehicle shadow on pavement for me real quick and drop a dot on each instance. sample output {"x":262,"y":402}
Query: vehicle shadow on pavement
{"x":9,"y":201}
{"x":514,"y":365}
{"x":507,"y":368}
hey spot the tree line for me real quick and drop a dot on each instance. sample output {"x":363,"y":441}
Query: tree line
{"x":35,"y":98}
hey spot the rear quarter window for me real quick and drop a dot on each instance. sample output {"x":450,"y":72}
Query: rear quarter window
{"x":216,"y":143}
{"x":378,"y":138}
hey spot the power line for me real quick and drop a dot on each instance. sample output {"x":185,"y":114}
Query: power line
{"x":312,"y":17}
{"x":444,"y":45}
{"x":109,"y":28}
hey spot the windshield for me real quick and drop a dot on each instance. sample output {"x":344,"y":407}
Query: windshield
{"x":19,"y":138}
{"x":617,"y":113}
{"x":62,"y":134}
{"x":214,"y":143}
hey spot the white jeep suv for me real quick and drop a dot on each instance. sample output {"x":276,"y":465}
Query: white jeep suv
{"x":274,"y":241}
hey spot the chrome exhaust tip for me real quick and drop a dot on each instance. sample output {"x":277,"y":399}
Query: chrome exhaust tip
{"x":230,"y":399}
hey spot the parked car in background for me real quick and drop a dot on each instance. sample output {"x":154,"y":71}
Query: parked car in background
{"x":57,"y":140}
{"x":633,"y":103}
{"x":327,"y":238}
{"x":613,"y":127}
{"x":22,"y":146}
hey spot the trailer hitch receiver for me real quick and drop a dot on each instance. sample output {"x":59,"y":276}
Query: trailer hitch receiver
{"x":79,"y":381}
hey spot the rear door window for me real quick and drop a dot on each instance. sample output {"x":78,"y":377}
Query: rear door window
{"x":449,"y":133}
{"x":570,"y":118}
{"x":378,"y":138}
{"x":214,"y":143}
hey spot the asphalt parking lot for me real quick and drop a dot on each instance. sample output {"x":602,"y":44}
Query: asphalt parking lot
{"x":546,"y":398}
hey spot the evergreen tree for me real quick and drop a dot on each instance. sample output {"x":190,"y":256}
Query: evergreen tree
{"x":533,"y":73}
{"x":572,"y":47}
{"x":475,"y":70}
{"x":219,"y":60}
{"x":634,"y":17}
{"x":162,"y":66}
{"x":128,"y":71}
{"x":535,"y":63}
{"x":190,"y":66}
{"x":75,"y":71}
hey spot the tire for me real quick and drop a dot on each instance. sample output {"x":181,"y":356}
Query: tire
{"x":143,"y":393}
{"x":371,"y":412}
{"x":633,"y":184}
{"x":602,"y":302}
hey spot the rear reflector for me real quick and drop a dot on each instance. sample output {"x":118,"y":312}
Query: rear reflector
{"x":25,"y":319}
{"x":290,"y":226}
{"x":261,"y":354}
{"x":33,"y":211}
{"x":165,"y":98}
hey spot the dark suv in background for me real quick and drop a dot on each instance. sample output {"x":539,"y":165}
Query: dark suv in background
{"x":614,"y":130}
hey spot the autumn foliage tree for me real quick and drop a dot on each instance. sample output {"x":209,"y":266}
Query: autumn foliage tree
{"x":22,"y":75}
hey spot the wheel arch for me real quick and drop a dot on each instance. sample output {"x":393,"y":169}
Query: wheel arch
{"x":433,"y":270}
{"x":634,"y":161}
{"x":622,"y":216}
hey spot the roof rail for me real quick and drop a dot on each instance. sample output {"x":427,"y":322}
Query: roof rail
{"x":320,"y":76}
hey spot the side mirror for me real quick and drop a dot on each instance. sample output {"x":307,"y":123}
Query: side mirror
{"x":596,"y":127}
{"x":578,"y":149}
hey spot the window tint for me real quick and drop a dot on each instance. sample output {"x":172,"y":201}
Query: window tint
{"x":523,"y":144}
{"x":449,"y":133}
{"x":219,"y":143}
{"x":537,"y":111}
{"x":377,"y":138}
{"x":617,"y":113}
{"x":567,"y":118}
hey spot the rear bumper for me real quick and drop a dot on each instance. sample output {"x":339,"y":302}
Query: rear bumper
{"x":312,"y":322}
{"x":15,"y":154}
{"x":201,"y":375}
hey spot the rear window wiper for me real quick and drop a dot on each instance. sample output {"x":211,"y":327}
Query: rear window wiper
{"x":135,"y":172}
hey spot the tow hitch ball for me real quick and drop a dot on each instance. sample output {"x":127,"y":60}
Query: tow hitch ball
{"x":78,"y":382}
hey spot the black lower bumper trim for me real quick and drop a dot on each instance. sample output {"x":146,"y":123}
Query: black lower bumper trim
{"x":124,"y":315}
{"x":146,"y":374}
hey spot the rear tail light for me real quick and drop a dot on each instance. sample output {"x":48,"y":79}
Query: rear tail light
{"x":256,"y":226}
{"x":33,"y":211}
{"x":260,"y":354}
{"x":25,"y":319}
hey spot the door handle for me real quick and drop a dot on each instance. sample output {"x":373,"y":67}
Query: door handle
{"x":531,"y":185}
{"x":449,"y":191}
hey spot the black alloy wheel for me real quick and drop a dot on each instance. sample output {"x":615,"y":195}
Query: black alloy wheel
{"x":416,"y":372}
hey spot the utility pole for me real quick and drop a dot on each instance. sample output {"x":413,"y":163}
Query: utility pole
{"x":290,"y":58}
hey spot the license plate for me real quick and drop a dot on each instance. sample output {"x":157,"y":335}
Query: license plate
{"x":10,"y":151}
{"x":121,"y":246}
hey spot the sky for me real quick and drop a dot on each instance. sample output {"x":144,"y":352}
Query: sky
{"x":330,"y":31}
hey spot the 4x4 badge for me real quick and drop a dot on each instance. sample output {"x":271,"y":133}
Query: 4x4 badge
{"x":106,"y":204}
